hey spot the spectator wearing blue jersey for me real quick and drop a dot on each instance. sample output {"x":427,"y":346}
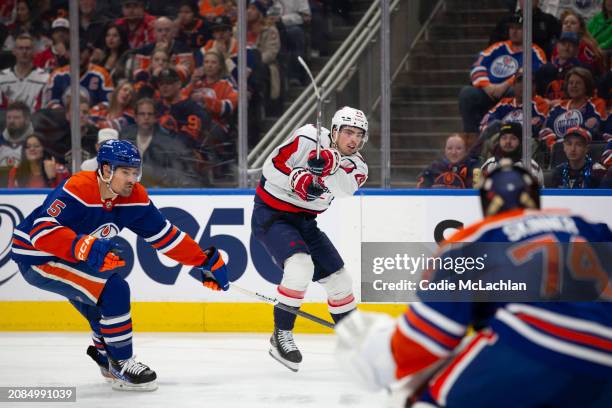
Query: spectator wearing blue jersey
{"x":493,"y":73}
{"x":510,"y":109}
{"x":455,"y":169}
{"x":582,"y":109}
{"x":94,"y":78}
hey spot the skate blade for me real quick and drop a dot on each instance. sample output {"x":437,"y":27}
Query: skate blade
{"x":108,"y":377}
{"x":120,"y":385}
{"x":290,"y":365}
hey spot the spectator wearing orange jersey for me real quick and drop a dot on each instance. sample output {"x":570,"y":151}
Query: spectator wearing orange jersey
{"x":223,"y":41}
{"x":212,"y":8}
{"x":145,"y":80}
{"x":181,"y":55}
{"x":214,"y":90}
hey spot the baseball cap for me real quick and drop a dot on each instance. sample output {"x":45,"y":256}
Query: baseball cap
{"x":569,"y":36}
{"x":168,"y":75}
{"x":580,"y":132}
{"x":107,"y":134}
{"x":514,"y":128}
{"x":60,"y":23}
{"x":221,"y":22}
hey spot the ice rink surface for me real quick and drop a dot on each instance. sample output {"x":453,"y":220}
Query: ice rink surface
{"x":193,"y":370}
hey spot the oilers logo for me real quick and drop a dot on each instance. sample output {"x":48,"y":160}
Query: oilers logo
{"x":94,"y":83}
{"x":106,"y":231}
{"x":10,"y":217}
{"x":504,"y":66}
{"x":569,"y":119}
{"x":515,"y":116}
{"x":208,"y":92}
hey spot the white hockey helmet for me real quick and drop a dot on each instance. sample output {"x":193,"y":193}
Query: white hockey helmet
{"x":348,"y":116}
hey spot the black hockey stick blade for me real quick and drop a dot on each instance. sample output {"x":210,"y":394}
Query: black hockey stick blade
{"x":289,"y":309}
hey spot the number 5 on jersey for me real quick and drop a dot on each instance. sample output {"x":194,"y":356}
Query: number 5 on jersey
{"x":56,"y":208}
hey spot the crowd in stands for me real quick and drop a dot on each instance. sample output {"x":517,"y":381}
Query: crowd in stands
{"x":162,"y":74}
{"x":571,"y":106}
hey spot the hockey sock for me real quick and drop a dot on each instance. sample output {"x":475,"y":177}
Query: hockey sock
{"x":100,"y":346}
{"x":93,"y":316}
{"x":116,"y":322}
{"x":283,"y":319}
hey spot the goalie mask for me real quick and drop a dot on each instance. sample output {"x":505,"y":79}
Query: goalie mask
{"x":118,"y":153}
{"x":348,"y":116}
{"x":509,"y":187}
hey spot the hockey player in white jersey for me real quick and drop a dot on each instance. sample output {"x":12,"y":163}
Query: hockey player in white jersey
{"x":294,"y":188}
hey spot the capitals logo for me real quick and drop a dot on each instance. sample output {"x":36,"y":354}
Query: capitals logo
{"x":504,"y":66}
{"x":569,"y":119}
{"x":106,"y":231}
{"x":10,"y":217}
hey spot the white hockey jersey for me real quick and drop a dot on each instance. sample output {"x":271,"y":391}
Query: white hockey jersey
{"x":28,"y":89}
{"x":274,"y":188}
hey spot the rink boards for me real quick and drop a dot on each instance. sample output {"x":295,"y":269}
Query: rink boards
{"x":167,"y":298}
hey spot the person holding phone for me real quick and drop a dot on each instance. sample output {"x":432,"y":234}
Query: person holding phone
{"x":37,"y":168}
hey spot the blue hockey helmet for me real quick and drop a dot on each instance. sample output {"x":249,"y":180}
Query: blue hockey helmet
{"x":508,"y":187}
{"x":119,"y":153}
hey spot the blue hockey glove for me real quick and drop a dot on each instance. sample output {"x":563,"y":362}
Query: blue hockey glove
{"x":214,"y":270}
{"x":99,"y":254}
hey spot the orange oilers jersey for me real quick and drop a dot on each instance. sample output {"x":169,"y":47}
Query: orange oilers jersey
{"x":75,"y":207}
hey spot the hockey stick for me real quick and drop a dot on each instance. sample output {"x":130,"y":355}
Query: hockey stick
{"x":276,"y":303}
{"x":319,"y":104}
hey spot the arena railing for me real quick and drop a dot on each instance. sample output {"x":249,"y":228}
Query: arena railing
{"x":335,"y":72}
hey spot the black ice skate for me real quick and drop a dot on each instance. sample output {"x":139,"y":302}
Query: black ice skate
{"x":284,"y":350}
{"x":101,"y":361}
{"x":130,"y":375}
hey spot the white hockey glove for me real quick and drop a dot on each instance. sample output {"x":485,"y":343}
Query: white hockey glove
{"x":363,"y":348}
